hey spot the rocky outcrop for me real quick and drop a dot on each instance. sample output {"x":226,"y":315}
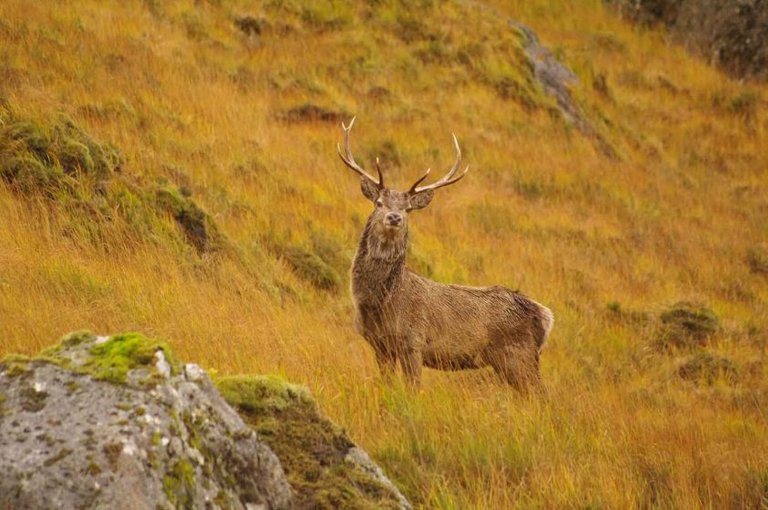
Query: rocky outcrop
{"x":116,"y":422}
{"x":556,"y":80}
{"x":732,"y":34}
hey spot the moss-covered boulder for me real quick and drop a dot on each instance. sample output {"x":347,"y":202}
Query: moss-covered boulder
{"x":96,"y":420}
{"x":322,"y":464}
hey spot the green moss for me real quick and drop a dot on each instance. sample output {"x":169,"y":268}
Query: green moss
{"x":686,"y":325}
{"x":310,"y":448}
{"x":37,"y":158}
{"x":331,"y":250}
{"x":60,"y":162}
{"x":56,"y":458}
{"x":29,"y":175}
{"x":93,"y":469}
{"x":72,"y":386}
{"x":113,"y":359}
{"x":323,"y":14}
{"x":193,"y":427}
{"x":74,"y":155}
{"x":222,"y":500}
{"x":32,"y":400}
{"x":29,"y":135}
{"x":262,"y":394}
{"x":112,"y":452}
{"x":311,"y":268}
{"x":757,"y":259}
{"x":250,"y":25}
{"x":707,"y":368}
{"x":179,"y":483}
{"x":77,"y":338}
{"x":15,"y":365}
{"x":196,"y":224}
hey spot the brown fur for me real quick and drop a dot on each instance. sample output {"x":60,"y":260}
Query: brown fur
{"x":409,"y":318}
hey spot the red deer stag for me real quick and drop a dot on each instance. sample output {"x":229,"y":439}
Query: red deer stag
{"x":420,"y":322}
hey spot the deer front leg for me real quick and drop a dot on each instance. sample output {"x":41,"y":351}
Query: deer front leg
{"x":387,"y":363}
{"x":386,"y":356}
{"x":411,"y":360}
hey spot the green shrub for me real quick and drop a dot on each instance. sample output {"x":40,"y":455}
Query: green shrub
{"x":73,"y":155}
{"x":196,"y":224}
{"x":26,"y":136}
{"x":28,"y":175}
{"x":687,"y":325}
{"x":708,"y":368}
{"x":757,"y":259}
{"x":65,"y":165}
{"x":331,"y":251}
{"x":311,"y":268}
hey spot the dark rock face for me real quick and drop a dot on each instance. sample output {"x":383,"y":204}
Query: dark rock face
{"x":732,"y":34}
{"x":116,"y":422}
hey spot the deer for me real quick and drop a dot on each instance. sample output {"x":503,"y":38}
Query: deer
{"x":408,"y":318}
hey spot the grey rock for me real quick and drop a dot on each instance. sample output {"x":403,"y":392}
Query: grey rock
{"x":156,"y":440}
{"x":361,"y":459}
{"x":556,"y":79}
{"x":116,"y":422}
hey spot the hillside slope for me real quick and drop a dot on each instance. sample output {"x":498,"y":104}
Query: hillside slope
{"x":218,"y":217}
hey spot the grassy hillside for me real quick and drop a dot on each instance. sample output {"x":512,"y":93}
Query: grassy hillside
{"x":170,"y":167}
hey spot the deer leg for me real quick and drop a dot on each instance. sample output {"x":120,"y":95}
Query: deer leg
{"x":411,"y":360}
{"x":386,"y":357}
{"x":517,"y":365}
{"x":387,"y":363}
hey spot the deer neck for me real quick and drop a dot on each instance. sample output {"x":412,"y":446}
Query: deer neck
{"x":379,"y":265}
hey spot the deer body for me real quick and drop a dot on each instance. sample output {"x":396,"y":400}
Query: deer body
{"x":419,"y":322}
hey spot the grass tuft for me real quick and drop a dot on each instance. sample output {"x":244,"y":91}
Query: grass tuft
{"x":687,"y":325}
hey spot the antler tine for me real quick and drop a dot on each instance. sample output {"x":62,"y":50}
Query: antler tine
{"x":349,"y":160}
{"x":381,"y":175}
{"x":426,"y":174}
{"x":447,"y":178}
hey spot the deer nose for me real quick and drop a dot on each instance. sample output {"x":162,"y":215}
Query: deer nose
{"x":394,"y":219}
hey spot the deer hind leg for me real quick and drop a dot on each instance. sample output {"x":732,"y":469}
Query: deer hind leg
{"x":518,"y":365}
{"x":411,"y":361}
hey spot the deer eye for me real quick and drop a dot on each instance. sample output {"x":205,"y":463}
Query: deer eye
{"x":379,"y":203}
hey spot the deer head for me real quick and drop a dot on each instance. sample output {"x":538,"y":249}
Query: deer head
{"x":389,"y":219}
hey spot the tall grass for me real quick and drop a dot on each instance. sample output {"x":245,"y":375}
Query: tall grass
{"x":191,"y":100}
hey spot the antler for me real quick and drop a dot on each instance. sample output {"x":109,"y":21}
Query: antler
{"x":447,"y":178}
{"x":349,"y":160}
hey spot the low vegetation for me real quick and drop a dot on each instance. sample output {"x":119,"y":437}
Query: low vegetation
{"x":170,"y":168}
{"x":311,"y":449}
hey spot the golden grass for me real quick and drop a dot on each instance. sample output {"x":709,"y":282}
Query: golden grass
{"x":187,"y":97}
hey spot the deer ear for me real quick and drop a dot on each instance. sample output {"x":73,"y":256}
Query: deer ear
{"x":370,"y":189}
{"x":421,"y":200}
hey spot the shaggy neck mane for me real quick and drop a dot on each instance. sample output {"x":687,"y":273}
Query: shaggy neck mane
{"x":379,"y":264}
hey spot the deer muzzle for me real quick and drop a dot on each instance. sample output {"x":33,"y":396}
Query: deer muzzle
{"x":394,"y":220}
